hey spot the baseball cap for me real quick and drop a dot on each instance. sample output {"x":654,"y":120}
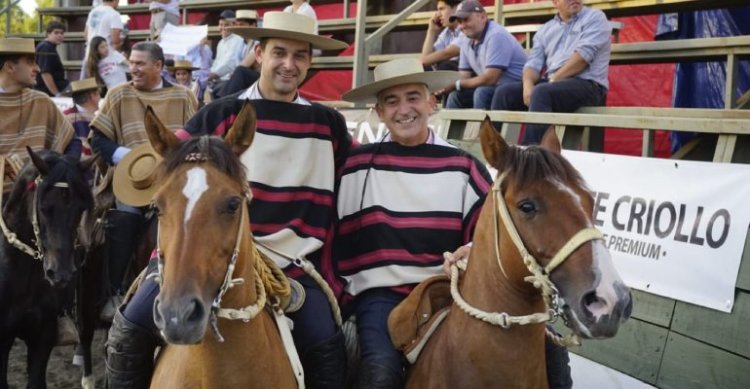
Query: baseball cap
{"x":227,"y":14}
{"x":465,"y":8}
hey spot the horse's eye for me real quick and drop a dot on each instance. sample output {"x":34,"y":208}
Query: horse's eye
{"x":234,"y":204}
{"x":526,"y":206}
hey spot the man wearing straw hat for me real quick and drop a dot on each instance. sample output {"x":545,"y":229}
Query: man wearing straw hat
{"x":86,"y":95}
{"x":297,"y":150}
{"x":402,"y":230}
{"x":29,"y":117}
{"x":119,"y":127}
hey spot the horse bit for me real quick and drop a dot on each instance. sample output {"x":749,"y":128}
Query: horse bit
{"x":539,"y":278}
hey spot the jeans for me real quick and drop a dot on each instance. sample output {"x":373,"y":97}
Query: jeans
{"x":375,"y":347}
{"x":479,"y":98}
{"x":313,"y":322}
{"x":561,"y":96}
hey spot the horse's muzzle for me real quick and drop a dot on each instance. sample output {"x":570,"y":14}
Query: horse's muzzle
{"x":181,"y":322}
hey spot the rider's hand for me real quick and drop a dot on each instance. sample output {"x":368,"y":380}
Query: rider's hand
{"x":460,"y":254}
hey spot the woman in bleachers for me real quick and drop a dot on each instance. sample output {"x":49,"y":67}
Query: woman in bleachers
{"x":109,"y":67}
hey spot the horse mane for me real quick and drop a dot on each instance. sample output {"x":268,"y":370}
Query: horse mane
{"x":531,"y":164}
{"x":212,"y":149}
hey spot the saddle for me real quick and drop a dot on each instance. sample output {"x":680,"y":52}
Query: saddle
{"x":414,"y":320}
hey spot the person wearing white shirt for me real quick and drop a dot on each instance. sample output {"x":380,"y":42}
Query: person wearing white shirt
{"x":162,"y":12}
{"x":228,"y":52}
{"x":105,"y":21}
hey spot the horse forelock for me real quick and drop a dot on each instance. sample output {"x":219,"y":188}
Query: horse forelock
{"x":211,"y":150}
{"x":528,"y":165}
{"x":65,"y":169}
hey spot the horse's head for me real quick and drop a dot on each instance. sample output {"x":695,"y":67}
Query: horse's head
{"x":549,"y":204}
{"x":201,"y":201}
{"x":52,"y":193}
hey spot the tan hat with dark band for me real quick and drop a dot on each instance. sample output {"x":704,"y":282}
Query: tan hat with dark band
{"x":133,"y":182}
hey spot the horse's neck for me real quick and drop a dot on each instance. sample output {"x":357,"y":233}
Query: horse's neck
{"x":18,"y":219}
{"x":243,"y":295}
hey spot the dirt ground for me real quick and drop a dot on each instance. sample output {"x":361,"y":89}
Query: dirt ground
{"x":61,"y":373}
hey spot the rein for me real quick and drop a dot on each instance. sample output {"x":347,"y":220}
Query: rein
{"x":11,"y":236}
{"x":539,"y":275}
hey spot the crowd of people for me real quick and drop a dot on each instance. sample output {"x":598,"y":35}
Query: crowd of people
{"x":354,"y":232}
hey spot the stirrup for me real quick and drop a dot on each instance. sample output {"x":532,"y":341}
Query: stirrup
{"x":67,"y":334}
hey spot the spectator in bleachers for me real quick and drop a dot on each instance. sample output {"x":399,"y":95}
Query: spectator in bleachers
{"x":228,"y":52}
{"x":201,"y":57}
{"x":107,"y":66}
{"x":116,"y":129}
{"x":183,"y":74}
{"x":51,"y":79}
{"x":248,"y":71}
{"x":490,"y":56}
{"x":303,"y":7}
{"x":567,"y":68}
{"x":29,"y":117}
{"x":86,"y":95}
{"x":104,"y":21}
{"x":442,"y":43}
{"x":162,"y":12}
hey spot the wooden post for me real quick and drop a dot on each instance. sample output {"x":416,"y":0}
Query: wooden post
{"x":360,"y":48}
{"x":499,"y":17}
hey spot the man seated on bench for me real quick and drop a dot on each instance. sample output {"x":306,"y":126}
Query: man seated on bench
{"x":567,"y":68}
{"x":443,"y":39}
{"x":393,"y":195}
{"x":490,"y":57}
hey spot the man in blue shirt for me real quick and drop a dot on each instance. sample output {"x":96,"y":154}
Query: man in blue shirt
{"x":490,"y":57}
{"x":567,"y":68}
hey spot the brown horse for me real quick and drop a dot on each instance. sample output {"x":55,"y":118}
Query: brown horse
{"x":549,"y":210}
{"x":205,"y":251}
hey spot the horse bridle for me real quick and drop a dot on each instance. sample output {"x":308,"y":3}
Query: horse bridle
{"x":539,"y":275}
{"x":11,"y":236}
{"x":245,"y":314}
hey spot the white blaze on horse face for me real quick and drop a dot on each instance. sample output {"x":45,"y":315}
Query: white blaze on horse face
{"x":566,"y":189}
{"x":606,"y":291}
{"x":194,"y":188}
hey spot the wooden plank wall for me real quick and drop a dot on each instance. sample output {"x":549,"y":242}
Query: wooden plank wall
{"x":667,"y":343}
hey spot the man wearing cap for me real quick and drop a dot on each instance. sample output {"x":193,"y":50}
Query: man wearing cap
{"x":228,"y":52}
{"x":116,"y":129}
{"x":247,"y":72}
{"x":86,"y":96}
{"x":395,"y":199}
{"x":298,"y":148}
{"x":162,"y":12}
{"x":489,"y":57}
{"x":567,"y":68}
{"x":29,"y":117}
{"x":442,"y":42}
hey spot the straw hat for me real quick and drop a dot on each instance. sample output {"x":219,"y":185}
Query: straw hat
{"x":247,"y":14}
{"x":287,"y":25}
{"x":183,"y":65}
{"x":400,"y":72}
{"x":17,"y":46}
{"x":134,"y":176}
{"x":82,"y":85}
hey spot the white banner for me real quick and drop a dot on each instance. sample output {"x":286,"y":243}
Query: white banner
{"x":178,"y":40}
{"x":674,"y":228}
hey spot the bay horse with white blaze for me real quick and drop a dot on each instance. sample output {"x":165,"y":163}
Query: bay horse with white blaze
{"x":534,"y":234}
{"x":45,"y":205}
{"x":207,"y":259}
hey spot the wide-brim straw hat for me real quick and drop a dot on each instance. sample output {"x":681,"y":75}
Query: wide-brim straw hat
{"x":183,"y":65}
{"x":133,"y":181}
{"x":400,"y":72}
{"x":17,"y":46}
{"x":287,"y":25}
{"x":84,"y":85}
{"x":249,"y":14}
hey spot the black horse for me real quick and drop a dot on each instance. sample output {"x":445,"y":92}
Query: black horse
{"x":43,"y":211}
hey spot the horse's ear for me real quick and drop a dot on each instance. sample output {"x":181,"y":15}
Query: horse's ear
{"x":38,"y":162}
{"x":162,"y":139}
{"x":550,"y":142}
{"x":493,"y":145}
{"x":85,"y":164}
{"x":240,"y":136}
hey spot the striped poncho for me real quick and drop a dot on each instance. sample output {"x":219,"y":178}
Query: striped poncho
{"x":400,"y":208}
{"x":121,"y":117}
{"x":292,"y":167}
